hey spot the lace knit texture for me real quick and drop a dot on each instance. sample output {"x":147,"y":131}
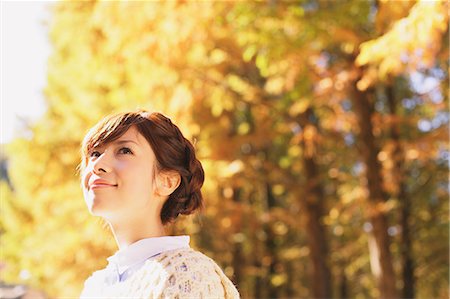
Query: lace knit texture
{"x":180,"y":273}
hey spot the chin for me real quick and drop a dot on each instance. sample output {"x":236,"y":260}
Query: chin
{"x":94,"y":207}
{"x":101,"y":211}
{"x":97,"y":210}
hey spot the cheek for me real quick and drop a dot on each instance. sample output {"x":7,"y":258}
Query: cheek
{"x":84,"y":183}
{"x":140,"y":180}
{"x":85,"y":179}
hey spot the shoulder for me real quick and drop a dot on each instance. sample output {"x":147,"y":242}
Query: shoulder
{"x":93,"y":284}
{"x":181,"y":257}
{"x":190,"y":273}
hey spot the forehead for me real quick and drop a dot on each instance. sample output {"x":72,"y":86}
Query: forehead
{"x":132,"y":135}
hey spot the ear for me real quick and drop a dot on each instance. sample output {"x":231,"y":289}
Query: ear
{"x":167,"y":182}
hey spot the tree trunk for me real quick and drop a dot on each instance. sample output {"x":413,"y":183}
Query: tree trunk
{"x":270,"y":245}
{"x":383,"y":268}
{"x":259,"y":282}
{"x":238,"y":258}
{"x":291,"y":280}
{"x":404,"y":199}
{"x":312,"y":203}
{"x":343,"y":287}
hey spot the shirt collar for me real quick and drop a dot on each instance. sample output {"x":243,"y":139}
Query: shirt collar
{"x":143,"y":249}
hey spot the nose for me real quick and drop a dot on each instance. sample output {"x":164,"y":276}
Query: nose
{"x":101,"y":164}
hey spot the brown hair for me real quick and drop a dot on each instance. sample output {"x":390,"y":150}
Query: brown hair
{"x":172,"y":150}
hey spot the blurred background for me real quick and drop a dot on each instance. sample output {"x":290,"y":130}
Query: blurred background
{"x":322,"y":127}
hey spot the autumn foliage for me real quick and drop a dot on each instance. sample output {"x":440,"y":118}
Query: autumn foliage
{"x":322,"y":127}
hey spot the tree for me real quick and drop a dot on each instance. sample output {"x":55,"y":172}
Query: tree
{"x":325,"y":158}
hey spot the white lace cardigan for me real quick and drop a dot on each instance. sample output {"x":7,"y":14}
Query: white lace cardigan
{"x":179,"y":273}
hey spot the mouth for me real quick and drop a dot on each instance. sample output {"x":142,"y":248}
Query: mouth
{"x":102,"y":186}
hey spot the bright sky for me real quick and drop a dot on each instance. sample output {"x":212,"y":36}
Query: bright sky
{"x":24,"y":52}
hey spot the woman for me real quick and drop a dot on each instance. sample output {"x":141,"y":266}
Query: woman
{"x":139,"y":173}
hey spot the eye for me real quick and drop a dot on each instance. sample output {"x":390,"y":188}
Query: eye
{"x":94,"y":154}
{"x":125,"y":151}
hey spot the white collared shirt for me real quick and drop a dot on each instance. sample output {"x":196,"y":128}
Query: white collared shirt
{"x":127,"y":261}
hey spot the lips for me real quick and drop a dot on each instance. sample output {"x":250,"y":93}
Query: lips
{"x":100,"y":183}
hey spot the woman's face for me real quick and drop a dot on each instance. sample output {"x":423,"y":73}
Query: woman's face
{"x":118,"y":179}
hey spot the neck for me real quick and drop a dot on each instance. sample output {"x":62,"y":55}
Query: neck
{"x":129,"y":232}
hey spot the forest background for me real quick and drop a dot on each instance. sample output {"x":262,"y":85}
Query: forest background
{"x":322,"y":127}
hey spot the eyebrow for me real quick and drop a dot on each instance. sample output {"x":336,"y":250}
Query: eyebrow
{"x":125,"y":141}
